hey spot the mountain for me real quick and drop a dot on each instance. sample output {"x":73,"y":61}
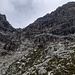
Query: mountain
{"x":4,"y":24}
{"x":44,"y":47}
{"x":4,"y":28}
{"x":59,"y":22}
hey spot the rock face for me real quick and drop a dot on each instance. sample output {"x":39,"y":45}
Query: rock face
{"x":46,"y":46}
{"x":8,"y":35}
{"x":59,"y":22}
{"x":4,"y":24}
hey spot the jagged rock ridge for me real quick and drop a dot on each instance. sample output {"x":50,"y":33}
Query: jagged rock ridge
{"x":59,"y":22}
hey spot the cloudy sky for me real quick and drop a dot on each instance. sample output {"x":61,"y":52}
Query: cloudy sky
{"x":20,"y":13}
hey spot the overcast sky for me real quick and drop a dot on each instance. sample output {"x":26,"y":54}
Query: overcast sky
{"x":20,"y":13}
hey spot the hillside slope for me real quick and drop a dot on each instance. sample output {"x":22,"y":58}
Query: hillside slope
{"x":46,"y":46}
{"x":59,"y":22}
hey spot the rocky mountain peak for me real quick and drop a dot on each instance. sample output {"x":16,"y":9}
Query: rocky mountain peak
{"x":59,"y":22}
{"x":2,"y":17}
{"x":4,"y":24}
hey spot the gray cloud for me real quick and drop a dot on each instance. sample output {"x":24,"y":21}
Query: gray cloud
{"x":20,"y":13}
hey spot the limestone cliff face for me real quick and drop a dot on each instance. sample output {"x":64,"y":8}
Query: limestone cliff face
{"x":45,"y":46}
{"x":9,"y":36}
{"x":4,"y":24}
{"x":59,"y":22}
